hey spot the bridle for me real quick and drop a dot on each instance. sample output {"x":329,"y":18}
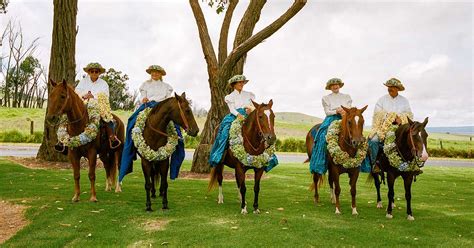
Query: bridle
{"x":413,"y":150}
{"x":183,"y":118}
{"x":350,"y":138}
{"x":61,"y":112}
{"x":260,"y":133}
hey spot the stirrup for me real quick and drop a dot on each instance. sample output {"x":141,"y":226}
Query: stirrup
{"x":59,"y":147}
{"x":115,"y":140}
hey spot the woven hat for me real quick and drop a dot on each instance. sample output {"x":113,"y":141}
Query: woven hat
{"x":334,"y":81}
{"x":237,"y":78}
{"x":393,"y":82}
{"x":155,"y":68}
{"x":94,"y":65}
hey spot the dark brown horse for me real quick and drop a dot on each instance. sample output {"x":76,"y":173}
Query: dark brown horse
{"x":411,"y":142}
{"x":258,"y":134}
{"x":350,"y":137}
{"x":174,"y":109}
{"x":63,"y":100}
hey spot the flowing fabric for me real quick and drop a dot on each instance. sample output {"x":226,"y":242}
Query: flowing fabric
{"x":130,"y":152}
{"x":319,"y":162}
{"x":374,"y":146}
{"x":221,"y":142}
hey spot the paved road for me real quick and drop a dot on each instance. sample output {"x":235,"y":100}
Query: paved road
{"x":30,"y":151}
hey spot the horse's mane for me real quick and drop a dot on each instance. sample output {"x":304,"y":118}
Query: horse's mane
{"x":163,"y":103}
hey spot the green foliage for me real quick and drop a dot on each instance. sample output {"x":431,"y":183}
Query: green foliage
{"x":15,"y":136}
{"x":219,"y":4}
{"x":120,"y":97}
{"x":191,"y":142}
{"x":291,"y":145}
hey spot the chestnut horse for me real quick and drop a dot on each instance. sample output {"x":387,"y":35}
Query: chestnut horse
{"x":411,"y":142}
{"x":63,"y":100}
{"x":174,"y":109}
{"x":350,"y":137}
{"x":258,"y":134}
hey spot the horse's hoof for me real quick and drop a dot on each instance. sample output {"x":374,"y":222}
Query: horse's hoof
{"x":379,"y":205}
{"x":75,"y":198}
{"x":148,"y":209}
{"x":107,"y":189}
{"x":316,"y":200}
{"x":256,"y":211}
{"x":165,"y":208}
{"x":410,"y":217}
{"x":220,"y":199}
{"x":389,"y":216}
{"x":354,"y":211}
{"x":93,"y":199}
{"x":118,"y":188}
{"x":393,"y":205}
{"x":337,"y":211}
{"x":244,"y":210}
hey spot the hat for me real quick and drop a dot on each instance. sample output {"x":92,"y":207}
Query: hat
{"x":237,"y":78}
{"x":334,"y":81}
{"x":94,"y":65}
{"x":393,"y":82}
{"x":156,"y":68}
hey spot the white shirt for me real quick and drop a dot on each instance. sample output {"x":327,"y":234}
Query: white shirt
{"x":86,"y":85}
{"x":388,"y":104}
{"x":237,"y":100}
{"x":334,"y":101}
{"x":155,"y":90}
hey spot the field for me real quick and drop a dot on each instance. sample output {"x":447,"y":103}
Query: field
{"x":442,"y":206}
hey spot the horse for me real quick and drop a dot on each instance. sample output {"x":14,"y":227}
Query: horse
{"x":258,"y":134}
{"x":411,"y":142}
{"x":63,"y":100}
{"x":178,"y":110}
{"x":350,"y":138}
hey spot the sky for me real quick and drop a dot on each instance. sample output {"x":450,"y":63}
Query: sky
{"x":428,"y":45}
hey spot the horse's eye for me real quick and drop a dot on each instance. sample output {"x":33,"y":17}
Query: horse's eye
{"x":349,"y":122}
{"x":63,"y":96}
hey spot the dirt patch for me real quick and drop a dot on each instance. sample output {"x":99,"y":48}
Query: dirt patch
{"x":228,"y":175}
{"x":34,"y":163}
{"x":11,"y":220}
{"x":155,"y":225}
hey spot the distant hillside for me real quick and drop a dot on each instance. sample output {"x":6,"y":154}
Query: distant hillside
{"x":293,"y":117}
{"x":466,"y":130}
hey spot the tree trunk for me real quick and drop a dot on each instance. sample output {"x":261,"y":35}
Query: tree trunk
{"x":62,"y":65}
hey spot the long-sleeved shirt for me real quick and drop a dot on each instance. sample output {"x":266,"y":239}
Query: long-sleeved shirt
{"x":155,"y":90}
{"x":398,"y":104}
{"x":334,"y":101}
{"x":86,"y":85}
{"x":237,"y":100}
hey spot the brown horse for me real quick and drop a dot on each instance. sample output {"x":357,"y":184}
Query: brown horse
{"x":411,"y":142}
{"x":258,"y":134}
{"x":63,"y":100}
{"x":174,"y":109}
{"x":350,"y":137}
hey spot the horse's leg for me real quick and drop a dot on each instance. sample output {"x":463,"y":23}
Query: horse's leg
{"x":316,"y":177}
{"x":331,"y":187}
{"x":107,"y":165}
{"x":256,"y":189}
{"x":164,"y":166}
{"x":92,"y":157}
{"x":146,"y":168}
{"x":154,"y":172}
{"x":76,"y":168}
{"x":391,"y":193}
{"x":337,"y":187}
{"x":354,"y":175}
{"x":118,"y":157}
{"x":219,"y":170}
{"x":407,"y":181}
{"x":377,"y":186}
{"x":240,"y":177}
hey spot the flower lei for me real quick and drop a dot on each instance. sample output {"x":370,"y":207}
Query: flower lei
{"x":90,"y":131}
{"x":236,"y":146}
{"x":149,"y":154}
{"x":104,"y":107}
{"x":390,"y":150}
{"x":383,"y":121}
{"x":338,"y":155}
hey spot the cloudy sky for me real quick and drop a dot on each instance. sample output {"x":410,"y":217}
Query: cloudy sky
{"x":428,"y":45}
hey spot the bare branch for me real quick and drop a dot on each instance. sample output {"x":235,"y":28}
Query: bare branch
{"x":224,"y":35}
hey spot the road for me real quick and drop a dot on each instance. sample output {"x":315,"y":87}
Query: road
{"x":31,"y":150}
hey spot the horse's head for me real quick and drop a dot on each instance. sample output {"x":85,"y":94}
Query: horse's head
{"x":184,"y":116}
{"x":353,"y":123}
{"x":264,"y":120}
{"x":417,"y":139}
{"x":59,"y":99}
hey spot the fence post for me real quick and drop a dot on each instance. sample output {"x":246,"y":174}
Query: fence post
{"x":32,"y":125}
{"x":441,"y":144}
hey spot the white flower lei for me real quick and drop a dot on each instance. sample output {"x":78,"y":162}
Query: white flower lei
{"x":390,"y":150}
{"x":90,"y":131}
{"x":338,"y":155}
{"x":149,"y":154}
{"x":236,"y":146}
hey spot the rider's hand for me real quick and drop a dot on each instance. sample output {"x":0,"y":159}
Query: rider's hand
{"x":240,"y":117}
{"x":248,"y":110}
{"x":398,"y":120}
{"x":340,"y":111}
{"x":145,"y":100}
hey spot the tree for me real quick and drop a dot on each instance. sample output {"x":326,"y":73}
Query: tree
{"x":3,"y":6}
{"x":62,"y":65}
{"x":221,"y":67}
{"x":120,"y":97}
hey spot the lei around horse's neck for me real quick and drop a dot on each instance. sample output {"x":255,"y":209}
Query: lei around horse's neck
{"x":250,"y":131}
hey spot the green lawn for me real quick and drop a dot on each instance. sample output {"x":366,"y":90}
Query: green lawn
{"x":442,"y":205}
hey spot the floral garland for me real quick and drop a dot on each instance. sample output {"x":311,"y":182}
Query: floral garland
{"x":236,"y":146}
{"x":383,"y":121}
{"x":338,"y":155}
{"x":149,"y":154}
{"x":104,"y":107}
{"x":390,"y":150}
{"x":90,"y":131}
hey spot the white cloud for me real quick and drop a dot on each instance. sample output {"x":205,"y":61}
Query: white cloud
{"x":416,"y":69}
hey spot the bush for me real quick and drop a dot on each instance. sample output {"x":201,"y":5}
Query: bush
{"x":16,"y":136}
{"x":450,"y":153}
{"x":290,"y":145}
{"x":191,"y":142}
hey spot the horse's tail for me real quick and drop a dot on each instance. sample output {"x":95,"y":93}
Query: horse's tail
{"x":370,"y":179}
{"x":213,"y":180}
{"x":322,"y":179}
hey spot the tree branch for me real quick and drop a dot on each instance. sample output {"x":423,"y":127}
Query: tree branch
{"x":225,"y":31}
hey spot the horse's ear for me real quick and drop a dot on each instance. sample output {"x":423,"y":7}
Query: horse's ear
{"x":64,"y":81}
{"x":425,"y":122}
{"x":64,"y":84}
{"x":270,"y":103}
{"x":255,"y":104}
{"x":410,"y":121}
{"x":51,"y":81}
{"x":363,"y":109}
{"x":176,"y":96}
{"x":183,"y":95}
{"x":345,"y":109}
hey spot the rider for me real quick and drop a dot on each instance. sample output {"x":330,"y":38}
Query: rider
{"x":390,"y":109}
{"x":332,"y":107}
{"x":152,"y":92}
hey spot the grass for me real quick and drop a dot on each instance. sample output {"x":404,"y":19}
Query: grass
{"x":442,"y":205}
